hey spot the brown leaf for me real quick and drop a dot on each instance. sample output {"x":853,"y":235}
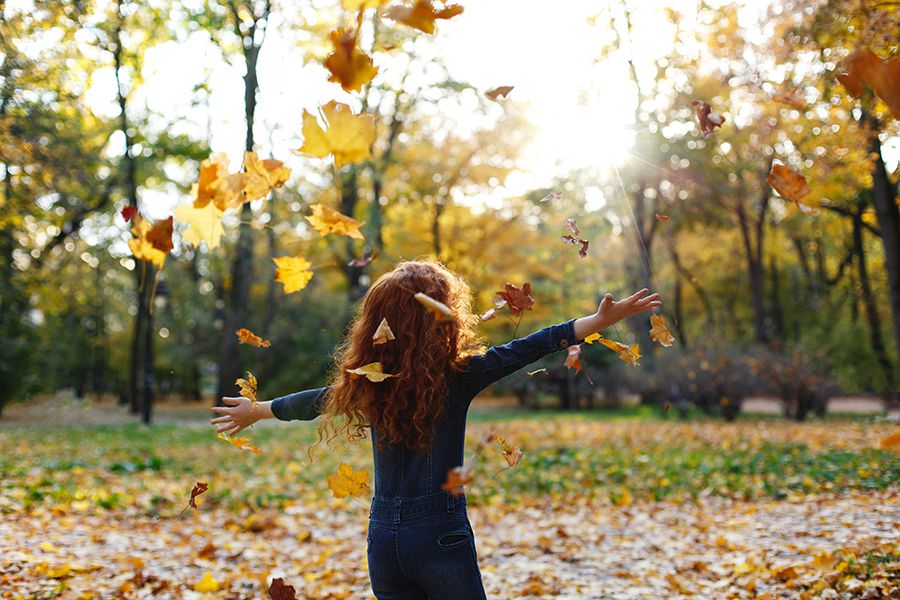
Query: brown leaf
{"x":708,"y":119}
{"x":279,"y":591}
{"x":503,"y":90}
{"x":662,"y":218}
{"x":788,"y":182}
{"x":883,"y":76}
{"x":512,"y":454}
{"x":659,"y":333}
{"x":519,"y":300}
{"x":422,"y":14}
{"x":457,"y":477}
{"x":573,"y":357}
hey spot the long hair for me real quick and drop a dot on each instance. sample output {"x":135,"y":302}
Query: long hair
{"x":405,"y":408}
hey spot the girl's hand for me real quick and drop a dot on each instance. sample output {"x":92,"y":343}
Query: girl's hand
{"x":611,"y":312}
{"x":239,"y":414}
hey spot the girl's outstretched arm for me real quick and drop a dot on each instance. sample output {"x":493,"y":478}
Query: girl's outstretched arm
{"x":241,"y":413}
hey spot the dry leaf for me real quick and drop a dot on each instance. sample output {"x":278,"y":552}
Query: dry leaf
{"x":383,"y":333}
{"x":512,"y":454}
{"x":789,"y":98}
{"x":592,"y":338}
{"x":349,"y":66}
{"x":279,"y":591}
{"x":207,"y":584}
{"x":347,"y":137}
{"x":552,"y":196}
{"x":629,"y":354}
{"x":248,"y":388}
{"x":790,"y":184}
{"x":293,"y":272}
{"x":261,"y":176}
{"x":659,"y":333}
{"x":128,"y":212}
{"x":662,"y":218}
{"x":489,"y":314}
{"x":216,"y":185}
{"x":573,"y":357}
{"x":503,"y":90}
{"x":891,"y":442}
{"x":364,"y":261}
{"x":242,"y":443}
{"x":457,"y":477}
{"x":150,"y":239}
{"x":372,"y":371}
{"x":708,"y":119}
{"x":245,"y":336}
{"x":544,"y":370}
{"x":348,"y":482}
{"x":519,"y":300}
{"x":439,"y":310}
{"x":199,"y":488}
{"x":327,"y":220}
{"x":204,"y":224}
{"x":422,"y":14}
{"x":883,"y":76}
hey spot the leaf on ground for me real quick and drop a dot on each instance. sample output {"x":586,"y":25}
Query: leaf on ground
{"x":883,"y":76}
{"x":348,"y":482}
{"x":573,"y":357}
{"x":659,"y":333}
{"x":708,"y":119}
{"x":293,"y":272}
{"x":346,"y":136}
{"x":457,"y":477}
{"x":207,"y":583}
{"x":422,"y":14}
{"x":245,"y":336}
{"x":349,"y":66}
{"x":891,"y":442}
{"x":790,"y":184}
{"x":439,"y":310}
{"x":372,"y":371}
{"x":518,"y":300}
{"x":512,"y":454}
{"x":326,"y":220}
{"x":241,"y":442}
{"x":501,"y":91}
{"x":383,"y":334}
{"x":204,"y":224}
{"x":279,"y":591}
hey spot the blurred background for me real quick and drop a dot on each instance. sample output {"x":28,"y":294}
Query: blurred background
{"x":108,"y":104}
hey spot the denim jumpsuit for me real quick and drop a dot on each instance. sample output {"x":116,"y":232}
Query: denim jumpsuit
{"x":420,"y":542}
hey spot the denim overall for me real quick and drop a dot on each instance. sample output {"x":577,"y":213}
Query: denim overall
{"x":420,"y":542}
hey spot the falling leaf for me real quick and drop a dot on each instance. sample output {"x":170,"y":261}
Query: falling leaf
{"x":362,"y":262}
{"x":348,"y":482}
{"x":383,"y":334}
{"x":519,"y":300}
{"x":552,"y":196}
{"x":347,"y":137}
{"x":355,"y":5}
{"x":245,"y":336}
{"x":278,"y":590}
{"x":372,"y":371}
{"x":422,"y":14}
{"x":498,"y":302}
{"x":128,"y":212}
{"x":489,"y":314}
{"x":199,"y":488}
{"x":592,"y":338}
{"x":207,"y":584}
{"x":457,"y":477}
{"x":571,"y":225}
{"x":293,"y":272}
{"x":349,"y":66}
{"x":788,"y":182}
{"x":512,"y":454}
{"x":261,"y":176}
{"x":573,"y":358}
{"x":327,"y":220}
{"x":890,"y":442}
{"x":216,"y":185}
{"x":439,"y":310}
{"x":503,"y":90}
{"x":629,"y":354}
{"x":659,"y":333}
{"x":544,"y":370}
{"x":248,"y":387}
{"x":662,"y":218}
{"x":708,"y":119}
{"x":789,"y":98}
{"x":883,"y":76}
{"x":582,"y":252}
{"x":205,"y":224}
{"x":241,"y":442}
{"x":150,"y":239}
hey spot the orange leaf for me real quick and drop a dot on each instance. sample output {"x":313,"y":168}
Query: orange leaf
{"x":891,"y":442}
{"x":242,"y":443}
{"x":261,"y":176}
{"x":630,"y":355}
{"x":788,"y":182}
{"x":150,"y":240}
{"x":790,"y":98}
{"x":349,"y":66}
{"x":248,"y":387}
{"x":659,"y":333}
{"x":245,"y":336}
{"x":883,"y":76}
{"x":457,"y":477}
{"x":199,"y":488}
{"x":519,"y":300}
{"x":708,"y":119}
{"x":512,"y":454}
{"x":503,"y":90}
{"x":422,"y":14}
{"x":573,"y":358}
{"x":327,"y":220}
{"x":662,"y":218}
{"x":439,"y":310}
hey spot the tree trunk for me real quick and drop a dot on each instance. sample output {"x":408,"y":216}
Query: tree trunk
{"x":349,"y":199}
{"x":754,"y":271}
{"x":147,"y":412}
{"x":775,"y":298}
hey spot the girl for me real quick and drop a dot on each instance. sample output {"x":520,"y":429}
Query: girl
{"x":420,"y":543}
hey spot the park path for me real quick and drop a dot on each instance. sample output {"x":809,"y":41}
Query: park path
{"x":566,"y":549}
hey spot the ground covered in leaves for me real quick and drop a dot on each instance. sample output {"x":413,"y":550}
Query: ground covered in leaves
{"x":596,"y":509}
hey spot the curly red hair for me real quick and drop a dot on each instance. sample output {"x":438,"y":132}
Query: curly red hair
{"x":404,"y":408}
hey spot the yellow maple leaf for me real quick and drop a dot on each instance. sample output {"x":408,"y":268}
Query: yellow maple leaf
{"x":241,"y":442}
{"x":207,"y":583}
{"x":592,"y":338}
{"x":347,"y":137}
{"x":373,"y":372}
{"x":262,"y":176}
{"x":439,"y":310}
{"x":383,"y":334}
{"x":349,"y":66}
{"x":659,"y":333}
{"x":348,"y":482}
{"x":204,"y":224}
{"x":327,"y":220}
{"x":245,"y":336}
{"x":216,"y":185}
{"x":143,"y":246}
{"x":248,"y":387}
{"x":422,"y":14}
{"x":293,"y":272}
{"x":629,"y":354}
